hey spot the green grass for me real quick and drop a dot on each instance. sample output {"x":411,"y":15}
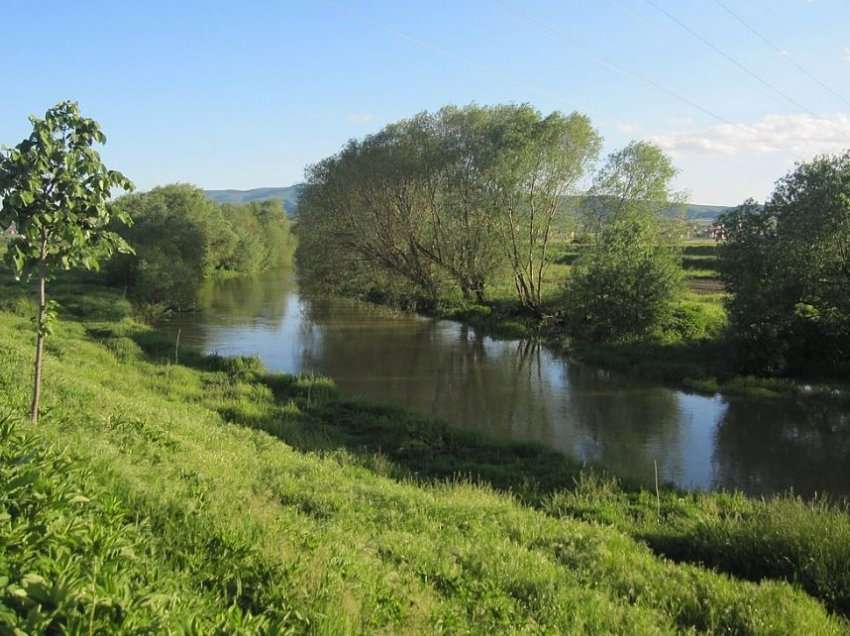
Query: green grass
{"x":214,"y":497}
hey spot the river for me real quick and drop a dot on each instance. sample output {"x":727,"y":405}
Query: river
{"x":515,"y":389}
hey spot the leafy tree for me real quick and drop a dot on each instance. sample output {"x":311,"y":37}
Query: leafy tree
{"x":171,"y":238}
{"x":369,"y":205}
{"x":539,"y":162}
{"x":55,"y":192}
{"x":633,"y":181}
{"x":787,"y":267}
{"x":462,"y":235}
{"x":445,"y":200}
{"x":625,"y":285}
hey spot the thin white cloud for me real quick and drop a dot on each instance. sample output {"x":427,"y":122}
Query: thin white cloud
{"x":361,"y":118}
{"x":682,"y":122}
{"x":626,"y":127}
{"x":801,"y":135}
{"x":847,"y":53}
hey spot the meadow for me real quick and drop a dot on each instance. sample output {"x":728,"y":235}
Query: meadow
{"x":212,"y":496}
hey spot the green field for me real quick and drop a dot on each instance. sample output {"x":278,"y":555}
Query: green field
{"x":213,"y":497}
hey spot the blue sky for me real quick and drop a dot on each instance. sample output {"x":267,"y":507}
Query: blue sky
{"x":245,"y":94}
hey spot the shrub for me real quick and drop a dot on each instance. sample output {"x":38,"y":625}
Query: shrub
{"x":787,"y":266}
{"x":691,"y":320}
{"x":625,"y":286}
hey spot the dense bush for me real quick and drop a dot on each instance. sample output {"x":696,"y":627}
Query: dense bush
{"x":623,"y":287}
{"x":181,"y":238}
{"x":787,"y":265}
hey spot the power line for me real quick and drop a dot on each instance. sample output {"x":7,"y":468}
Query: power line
{"x":444,"y":52}
{"x":783,"y":52}
{"x":731,"y":59}
{"x":424,"y":44}
{"x":623,"y":71}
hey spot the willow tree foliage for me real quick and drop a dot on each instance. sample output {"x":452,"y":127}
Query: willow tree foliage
{"x":634,"y":181}
{"x":56,"y":193}
{"x":539,"y":162}
{"x":786,"y":265}
{"x":445,"y":200}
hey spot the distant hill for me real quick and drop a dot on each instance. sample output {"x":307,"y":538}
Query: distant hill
{"x":287,"y":196}
{"x":693,"y":211}
{"x":696,"y":212}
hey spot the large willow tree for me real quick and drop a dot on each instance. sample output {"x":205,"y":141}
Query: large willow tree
{"x":445,"y":200}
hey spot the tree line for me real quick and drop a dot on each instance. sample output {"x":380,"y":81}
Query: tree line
{"x":180,"y":239}
{"x":451,"y":203}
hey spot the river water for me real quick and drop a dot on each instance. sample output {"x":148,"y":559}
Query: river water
{"x":515,"y":389}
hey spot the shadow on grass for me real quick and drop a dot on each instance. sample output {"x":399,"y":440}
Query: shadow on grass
{"x":80,"y":295}
{"x":691,"y":262}
{"x":700,"y":250}
{"x":783,"y":538}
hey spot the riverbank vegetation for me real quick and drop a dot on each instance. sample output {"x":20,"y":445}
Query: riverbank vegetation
{"x":787,"y":266}
{"x":181,"y":239}
{"x":166,"y":493}
{"x":474,"y":214}
{"x":627,"y":282}
{"x":216,"y":497}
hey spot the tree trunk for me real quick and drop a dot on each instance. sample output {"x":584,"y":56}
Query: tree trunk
{"x":39,"y":350}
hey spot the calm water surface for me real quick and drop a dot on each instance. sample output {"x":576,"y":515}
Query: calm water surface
{"x":515,"y":389}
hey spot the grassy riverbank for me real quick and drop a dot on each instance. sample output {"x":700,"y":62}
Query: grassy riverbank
{"x":215,"y":497}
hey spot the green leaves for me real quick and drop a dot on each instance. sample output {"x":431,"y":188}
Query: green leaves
{"x":55,"y":191}
{"x":625,"y":285}
{"x":18,"y":259}
{"x":787,"y":264}
{"x":180,"y":237}
{"x":446,"y":199}
{"x":48,"y":319}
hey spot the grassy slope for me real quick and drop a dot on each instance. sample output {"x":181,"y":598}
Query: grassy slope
{"x":212,"y":497}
